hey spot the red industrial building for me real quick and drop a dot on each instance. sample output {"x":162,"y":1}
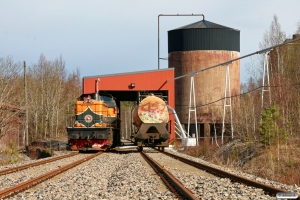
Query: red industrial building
{"x":11,"y":121}
{"x":131,"y":86}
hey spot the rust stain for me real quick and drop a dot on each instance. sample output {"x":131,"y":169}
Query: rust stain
{"x":209,"y":84}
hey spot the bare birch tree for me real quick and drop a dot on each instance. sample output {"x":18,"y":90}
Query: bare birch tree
{"x":9,"y":76}
{"x":298,"y":28}
{"x":51,"y":91}
{"x":274,"y":35}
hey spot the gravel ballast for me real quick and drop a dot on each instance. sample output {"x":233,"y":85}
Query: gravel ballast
{"x":127,"y":176}
{"x":109,"y":176}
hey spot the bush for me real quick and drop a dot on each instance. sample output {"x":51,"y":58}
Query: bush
{"x":270,"y":127}
{"x":45,"y":153}
{"x":12,"y":153}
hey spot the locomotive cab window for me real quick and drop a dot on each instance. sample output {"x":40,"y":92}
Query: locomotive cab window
{"x":85,"y":96}
{"x":108,"y":99}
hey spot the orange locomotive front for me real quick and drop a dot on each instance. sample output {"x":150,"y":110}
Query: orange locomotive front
{"x":95,"y":126}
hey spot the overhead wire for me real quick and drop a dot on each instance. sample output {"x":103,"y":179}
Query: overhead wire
{"x":230,"y":61}
{"x":242,"y":94}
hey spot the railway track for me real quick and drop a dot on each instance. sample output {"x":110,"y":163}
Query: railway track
{"x":169,"y":180}
{"x":8,"y":192}
{"x":23,"y":167}
{"x":268,"y":190}
{"x":126,"y":175}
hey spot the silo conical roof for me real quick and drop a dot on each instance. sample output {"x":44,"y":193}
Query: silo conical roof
{"x":203,"y":35}
{"x":203,"y":24}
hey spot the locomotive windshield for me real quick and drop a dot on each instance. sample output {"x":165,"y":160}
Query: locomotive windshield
{"x":84,"y":96}
{"x":108,"y":99}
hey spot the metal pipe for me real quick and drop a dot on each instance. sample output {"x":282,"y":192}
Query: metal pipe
{"x":178,"y":122}
{"x":162,"y":15}
{"x":98,"y":79}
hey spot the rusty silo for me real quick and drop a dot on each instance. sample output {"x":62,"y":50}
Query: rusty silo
{"x":194,"y":47}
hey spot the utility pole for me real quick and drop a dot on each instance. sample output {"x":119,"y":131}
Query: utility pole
{"x":126,"y":124}
{"x":26,"y":108}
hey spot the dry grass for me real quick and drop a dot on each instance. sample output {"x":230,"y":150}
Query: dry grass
{"x":284,"y":168}
{"x":205,"y":149}
{"x":177,"y":144}
{"x":266,"y":163}
{"x":4,"y":159}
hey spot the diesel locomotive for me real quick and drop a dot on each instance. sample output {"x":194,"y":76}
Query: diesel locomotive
{"x":151,"y":119}
{"x":96,"y":124}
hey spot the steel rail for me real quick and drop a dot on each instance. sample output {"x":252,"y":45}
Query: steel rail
{"x":22,"y":167}
{"x":171,"y":182}
{"x":171,"y":188}
{"x":30,"y":183}
{"x":267,"y":188}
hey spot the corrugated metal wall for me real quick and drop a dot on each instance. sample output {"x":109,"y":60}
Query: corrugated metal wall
{"x":203,"y":39}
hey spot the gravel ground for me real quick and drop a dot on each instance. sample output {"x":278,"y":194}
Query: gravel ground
{"x":27,"y":160}
{"x":290,"y":188}
{"x":15,"y":178}
{"x":128,"y":176}
{"x":109,"y":176}
{"x":205,"y":185}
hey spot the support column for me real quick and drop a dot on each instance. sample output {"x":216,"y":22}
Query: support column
{"x":227,"y":90}
{"x":193,"y":108}
{"x":207,"y":132}
{"x":266,"y":76}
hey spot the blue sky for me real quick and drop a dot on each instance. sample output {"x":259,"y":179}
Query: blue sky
{"x":115,"y":36}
